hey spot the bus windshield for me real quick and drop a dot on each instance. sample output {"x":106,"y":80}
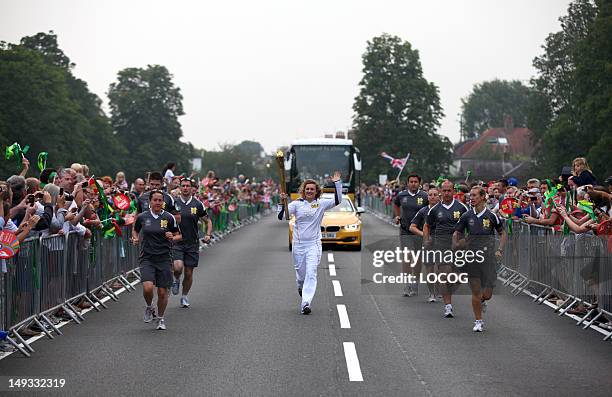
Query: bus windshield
{"x":318,"y":162}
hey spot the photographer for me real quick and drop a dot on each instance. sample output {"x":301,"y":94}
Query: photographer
{"x":38,"y":204}
{"x":6,"y":223}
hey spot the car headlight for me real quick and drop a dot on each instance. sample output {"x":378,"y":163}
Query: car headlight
{"x":353,"y":227}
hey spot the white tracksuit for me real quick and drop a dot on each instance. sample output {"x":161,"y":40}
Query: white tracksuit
{"x":307,"y":240}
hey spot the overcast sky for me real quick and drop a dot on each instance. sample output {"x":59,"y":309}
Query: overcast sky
{"x":273,"y":71}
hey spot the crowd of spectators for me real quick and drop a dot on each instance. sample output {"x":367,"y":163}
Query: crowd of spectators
{"x":573,"y":202}
{"x":546,"y":202}
{"x":69,"y":199}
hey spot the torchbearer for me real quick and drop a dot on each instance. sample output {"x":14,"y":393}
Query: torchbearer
{"x":308,"y":211}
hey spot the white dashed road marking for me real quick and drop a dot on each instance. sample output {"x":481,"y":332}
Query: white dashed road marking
{"x":337,"y":288}
{"x":352,"y":362}
{"x":343,"y":316}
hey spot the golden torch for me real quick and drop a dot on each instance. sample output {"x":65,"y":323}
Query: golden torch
{"x":280,"y":162}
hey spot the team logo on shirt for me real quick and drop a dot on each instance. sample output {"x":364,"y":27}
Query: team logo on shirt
{"x":163,"y":223}
{"x":194,"y":210}
{"x":420,"y":201}
{"x":486,"y":223}
{"x":314,"y":205}
{"x":456,"y":214}
{"x":147,"y":222}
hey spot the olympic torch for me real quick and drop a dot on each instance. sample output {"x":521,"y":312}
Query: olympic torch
{"x":280,"y":162}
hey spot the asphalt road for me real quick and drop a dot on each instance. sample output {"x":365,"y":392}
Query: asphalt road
{"x":243,"y":335}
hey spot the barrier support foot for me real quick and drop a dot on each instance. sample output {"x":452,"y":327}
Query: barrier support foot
{"x":44,"y":329}
{"x":46,"y":319}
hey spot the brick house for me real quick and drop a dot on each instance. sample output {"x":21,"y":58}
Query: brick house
{"x":497,"y":152}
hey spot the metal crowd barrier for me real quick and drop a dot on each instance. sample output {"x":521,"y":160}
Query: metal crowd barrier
{"x":561,"y":271}
{"x":227,"y":218}
{"x":52,"y":273}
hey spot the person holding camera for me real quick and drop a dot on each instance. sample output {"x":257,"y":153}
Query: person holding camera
{"x":308,"y":212}
{"x":159,"y":230}
{"x":549,"y":216}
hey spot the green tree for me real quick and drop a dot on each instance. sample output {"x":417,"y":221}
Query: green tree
{"x":397,"y":111}
{"x":224,"y":161}
{"x":594,"y":90}
{"x":145,"y":107}
{"x":51,"y":110}
{"x":250,"y":149}
{"x":571,"y":114}
{"x":47,"y":45}
{"x":488,"y":104}
{"x":36,"y":109}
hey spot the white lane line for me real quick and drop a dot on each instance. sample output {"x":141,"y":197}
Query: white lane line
{"x":330,"y":257}
{"x":352,"y":362}
{"x":337,"y":288}
{"x":332,"y":270}
{"x":343,"y":315}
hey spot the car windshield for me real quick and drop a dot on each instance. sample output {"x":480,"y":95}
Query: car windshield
{"x":344,"y":206}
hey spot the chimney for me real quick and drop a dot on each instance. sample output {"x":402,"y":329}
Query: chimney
{"x":508,"y":125}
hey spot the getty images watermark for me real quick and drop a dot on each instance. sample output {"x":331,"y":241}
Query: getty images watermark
{"x":389,"y":264}
{"x":426,"y":257}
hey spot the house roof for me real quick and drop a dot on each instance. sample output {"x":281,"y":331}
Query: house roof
{"x":518,"y":141}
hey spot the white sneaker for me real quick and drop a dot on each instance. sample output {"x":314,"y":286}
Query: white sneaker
{"x":478,"y":326}
{"x":149,"y":314}
{"x":409,"y":290}
{"x":175,"y":286}
{"x":161,"y":325}
{"x":448,"y":311}
{"x":184,"y":301}
{"x":431,"y":299}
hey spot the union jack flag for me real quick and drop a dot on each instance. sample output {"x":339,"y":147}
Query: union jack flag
{"x":396,"y":163}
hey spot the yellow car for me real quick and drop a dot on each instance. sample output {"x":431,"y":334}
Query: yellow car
{"x":341,"y":225}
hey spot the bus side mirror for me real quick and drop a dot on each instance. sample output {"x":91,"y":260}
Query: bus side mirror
{"x":288,"y":158}
{"x":357,"y":162}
